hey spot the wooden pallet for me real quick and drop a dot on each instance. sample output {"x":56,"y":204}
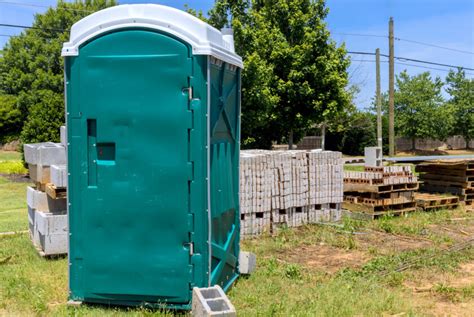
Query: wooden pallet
{"x":366,"y":188}
{"x":375,"y":215}
{"x":375,"y":209}
{"x":445,"y":189}
{"x":55,"y":192}
{"x":427,"y":201}
{"x":447,"y":183}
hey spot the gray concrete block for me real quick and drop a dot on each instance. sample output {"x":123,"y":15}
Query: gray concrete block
{"x":48,"y":223}
{"x":49,"y":233}
{"x":39,"y":173}
{"x":211,"y":301}
{"x":46,"y":154}
{"x":63,"y":136}
{"x":247,"y":262}
{"x":59,"y":175}
{"x":43,"y":202}
{"x":53,"y":244}
{"x":373,"y":156}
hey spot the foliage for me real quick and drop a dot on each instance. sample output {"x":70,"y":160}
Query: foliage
{"x":359,"y":132}
{"x":10,"y":118}
{"x":419,"y":107}
{"x":294,"y":76}
{"x":461,"y":90}
{"x":32,"y":68}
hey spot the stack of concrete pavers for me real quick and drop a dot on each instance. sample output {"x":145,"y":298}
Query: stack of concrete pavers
{"x":289,"y":188}
{"x":256,"y":182}
{"x":326,"y":184}
{"x":47,"y":215}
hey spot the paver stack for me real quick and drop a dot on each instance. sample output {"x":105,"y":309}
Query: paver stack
{"x":288,"y":188}
{"x":455,"y":177}
{"x":47,"y":203}
{"x":380,"y":190}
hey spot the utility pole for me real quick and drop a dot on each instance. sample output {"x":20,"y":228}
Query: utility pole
{"x":391,"y":90}
{"x":378,"y":98}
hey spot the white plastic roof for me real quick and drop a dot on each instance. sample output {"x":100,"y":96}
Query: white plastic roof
{"x":204,"y":39}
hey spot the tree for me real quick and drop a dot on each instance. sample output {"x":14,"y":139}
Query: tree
{"x":461,"y":90}
{"x":419,"y":108}
{"x":10,"y":118}
{"x":294,"y":75}
{"x":32,"y":68}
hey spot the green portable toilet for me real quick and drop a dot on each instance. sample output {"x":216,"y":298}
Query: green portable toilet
{"x":153,"y":125}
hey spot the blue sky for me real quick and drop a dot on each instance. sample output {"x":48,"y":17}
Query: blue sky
{"x":448,"y":23}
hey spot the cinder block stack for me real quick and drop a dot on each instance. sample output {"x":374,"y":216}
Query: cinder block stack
{"x":302,"y":187}
{"x":47,"y":207}
{"x":380,"y":190}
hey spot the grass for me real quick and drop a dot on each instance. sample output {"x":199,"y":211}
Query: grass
{"x":10,"y":163}
{"x":281,"y":285}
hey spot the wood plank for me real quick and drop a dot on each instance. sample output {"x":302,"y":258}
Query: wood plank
{"x":55,"y":192}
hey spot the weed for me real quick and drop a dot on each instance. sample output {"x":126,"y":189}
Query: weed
{"x":293,"y":271}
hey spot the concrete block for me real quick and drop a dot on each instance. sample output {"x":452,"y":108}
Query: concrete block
{"x":247,"y":262}
{"x":373,"y":156}
{"x":46,"y":154}
{"x":211,"y":301}
{"x":53,"y":244}
{"x":63,"y":136}
{"x":40,"y":173}
{"x":43,"y":202}
{"x":59,"y":175}
{"x":48,"y":223}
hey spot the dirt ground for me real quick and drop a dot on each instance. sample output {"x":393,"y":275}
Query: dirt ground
{"x":435,"y":152}
{"x":432,"y":292}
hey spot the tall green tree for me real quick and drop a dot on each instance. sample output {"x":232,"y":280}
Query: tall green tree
{"x":295,"y":76}
{"x":32,"y":68}
{"x":461,"y":90}
{"x":419,"y":110}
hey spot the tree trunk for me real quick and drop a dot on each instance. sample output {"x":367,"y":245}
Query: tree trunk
{"x":413,"y":144}
{"x":467,"y":143}
{"x":290,"y":140}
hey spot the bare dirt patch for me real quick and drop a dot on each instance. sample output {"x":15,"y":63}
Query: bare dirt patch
{"x":325,"y":257}
{"x":386,"y":243}
{"x":425,"y":295}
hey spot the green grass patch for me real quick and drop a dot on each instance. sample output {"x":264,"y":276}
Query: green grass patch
{"x":353,"y":168}
{"x":10,"y":156}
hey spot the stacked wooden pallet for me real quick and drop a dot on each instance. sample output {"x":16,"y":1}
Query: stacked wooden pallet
{"x":454,"y":177}
{"x":380,"y":190}
{"x":47,"y":203}
{"x":289,"y":188}
{"x":428,"y":202}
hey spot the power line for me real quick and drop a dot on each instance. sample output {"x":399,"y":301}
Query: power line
{"x":30,"y":27}
{"x":400,"y":63}
{"x":434,"y":45}
{"x":405,"y":40}
{"x":411,"y":60}
{"x":359,"y":34}
{"x":43,"y":6}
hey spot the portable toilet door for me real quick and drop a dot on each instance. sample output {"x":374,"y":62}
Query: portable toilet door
{"x":153,"y":125}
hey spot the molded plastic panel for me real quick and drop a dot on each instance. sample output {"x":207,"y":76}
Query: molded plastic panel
{"x":225,"y":136}
{"x":135,"y":159}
